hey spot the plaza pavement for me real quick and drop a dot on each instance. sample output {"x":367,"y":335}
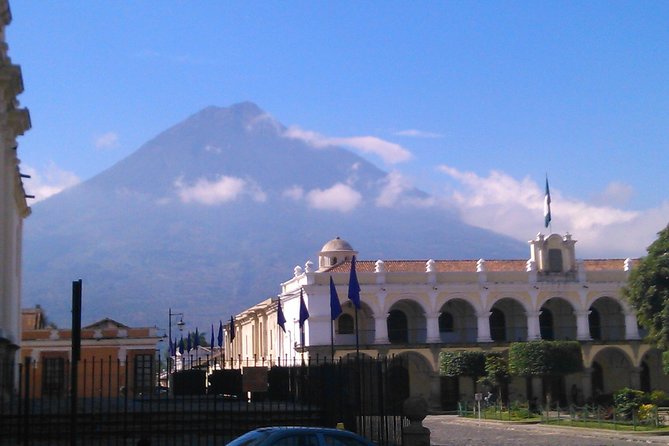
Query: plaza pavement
{"x":451,"y":430}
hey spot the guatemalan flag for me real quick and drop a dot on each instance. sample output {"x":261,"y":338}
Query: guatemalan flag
{"x":547,"y":205}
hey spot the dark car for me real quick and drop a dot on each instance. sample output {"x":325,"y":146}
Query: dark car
{"x":300,"y":436}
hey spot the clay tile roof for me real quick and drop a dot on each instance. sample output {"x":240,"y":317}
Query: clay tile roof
{"x":505,"y":265}
{"x":603,"y":264}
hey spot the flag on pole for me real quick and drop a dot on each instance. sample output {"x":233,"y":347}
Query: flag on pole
{"x":220,"y":334}
{"x":335,"y":306}
{"x":354,"y":286}
{"x":547,"y":205}
{"x":211,"y":343}
{"x":188,"y":344}
{"x":232,"y":329}
{"x":280,"y":318}
{"x":181,"y":345}
{"x":304,"y":312}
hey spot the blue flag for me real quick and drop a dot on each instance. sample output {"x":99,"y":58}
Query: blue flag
{"x":354,"y":286}
{"x":547,"y":205}
{"x":232,"y":329}
{"x":335,"y":306}
{"x":196,"y":339}
{"x":304,"y":312}
{"x":280,"y":318}
{"x":181,"y":346}
{"x":188,"y":344}
{"x":220,"y":334}
{"x":211,"y":343}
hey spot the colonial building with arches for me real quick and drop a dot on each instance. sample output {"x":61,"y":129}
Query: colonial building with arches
{"x":417,"y":309}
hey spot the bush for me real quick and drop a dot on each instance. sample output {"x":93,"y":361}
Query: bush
{"x":545,"y":358}
{"x":659,"y":398}
{"x":627,"y":401}
{"x":465,"y":363}
{"x":646,"y":412}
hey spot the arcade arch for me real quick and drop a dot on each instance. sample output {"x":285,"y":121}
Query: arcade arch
{"x":457,"y":322}
{"x":508,"y":321}
{"x":406,"y":323}
{"x":606,"y":320}
{"x":557,"y":320}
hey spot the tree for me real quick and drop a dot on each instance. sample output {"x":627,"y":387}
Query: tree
{"x":467,"y":363}
{"x":545,"y":359}
{"x":647,"y":291}
{"x":497,"y":372}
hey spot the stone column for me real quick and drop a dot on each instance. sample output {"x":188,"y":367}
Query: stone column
{"x":483,"y":327}
{"x":533,"y":329}
{"x":381,"y":330}
{"x":635,"y":378}
{"x":586,"y":383}
{"x":631,"y":327}
{"x":432,"y":320}
{"x":582,"y":325}
{"x":435,"y":391}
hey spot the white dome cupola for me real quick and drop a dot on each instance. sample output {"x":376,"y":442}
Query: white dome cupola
{"x":335,"y":252}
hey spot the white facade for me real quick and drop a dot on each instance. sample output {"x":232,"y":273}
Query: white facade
{"x":417,"y":309}
{"x":14,"y":121}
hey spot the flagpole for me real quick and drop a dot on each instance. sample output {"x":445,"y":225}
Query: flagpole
{"x":332,"y":339}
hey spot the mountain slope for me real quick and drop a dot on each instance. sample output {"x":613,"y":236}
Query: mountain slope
{"x":212,"y":214}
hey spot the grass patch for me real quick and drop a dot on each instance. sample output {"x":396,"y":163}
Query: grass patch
{"x":606,"y":424}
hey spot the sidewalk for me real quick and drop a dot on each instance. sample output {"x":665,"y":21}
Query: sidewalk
{"x":442,"y":430}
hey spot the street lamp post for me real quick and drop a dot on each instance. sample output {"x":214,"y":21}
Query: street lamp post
{"x":180,"y":324}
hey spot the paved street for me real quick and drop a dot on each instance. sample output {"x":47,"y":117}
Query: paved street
{"x":449,"y":430}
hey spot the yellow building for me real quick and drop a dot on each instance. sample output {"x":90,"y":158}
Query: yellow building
{"x":419,"y":308}
{"x":115,"y":358}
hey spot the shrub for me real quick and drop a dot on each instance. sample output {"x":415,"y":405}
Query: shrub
{"x":646,"y":412}
{"x":545,"y":358}
{"x":627,"y":401}
{"x":659,"y":398}
{"x":462,"y":364}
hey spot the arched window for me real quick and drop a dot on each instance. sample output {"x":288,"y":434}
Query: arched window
{"x":497,"y":325}
{"x":595,"y":322}
{"x":398,"y":327}
{"x":345,"y":324}
{"x":546,"y":324}
{"x":446,"y":323}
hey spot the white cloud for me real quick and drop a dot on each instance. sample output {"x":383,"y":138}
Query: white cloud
{"x":222,"y":190}
{"x":340,"y":197}
{"x":413,"y":133}
{"x":295,"y":193}
{"x":515,"y":207}
{"x":48,"y":182}
{"x":615,"y":194}
{"x":107,"y":140}
{"x":394,"y":185}
{"x":389,"y":152}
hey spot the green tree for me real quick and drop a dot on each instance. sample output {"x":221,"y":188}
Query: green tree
{"x":647,"y":291}
{"x":497,"y":372}
{"x":468,"y":363}
{"x":545,"y":358}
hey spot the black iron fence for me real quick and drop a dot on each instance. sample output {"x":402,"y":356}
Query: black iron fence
{"x":207,"y":403}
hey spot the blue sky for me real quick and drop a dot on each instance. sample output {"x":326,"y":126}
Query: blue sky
{"x":473,"y":102}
